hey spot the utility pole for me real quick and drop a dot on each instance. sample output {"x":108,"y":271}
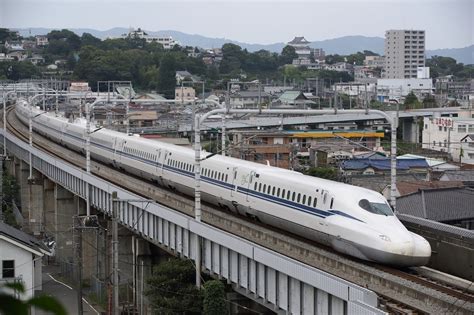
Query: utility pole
{"x":115,"y":255}
{"x":79,"y":268}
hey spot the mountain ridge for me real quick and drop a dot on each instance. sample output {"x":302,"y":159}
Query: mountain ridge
{"x":342,"y":45}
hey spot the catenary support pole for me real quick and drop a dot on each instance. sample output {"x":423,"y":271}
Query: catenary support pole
{"x":115,"y":254}
{"x":197,"y":194}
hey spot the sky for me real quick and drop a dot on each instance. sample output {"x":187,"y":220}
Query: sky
{"x":448,"y":23}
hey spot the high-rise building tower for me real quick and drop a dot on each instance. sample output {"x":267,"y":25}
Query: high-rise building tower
{"x":404,"y":53}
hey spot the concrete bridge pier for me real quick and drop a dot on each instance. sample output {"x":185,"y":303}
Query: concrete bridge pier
{"x":411,"y":130}
{"x":65,"y":207}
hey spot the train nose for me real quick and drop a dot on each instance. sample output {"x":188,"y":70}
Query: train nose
{"x":421,"y":250}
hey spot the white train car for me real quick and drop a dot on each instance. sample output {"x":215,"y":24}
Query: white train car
{"x":352,"y":220}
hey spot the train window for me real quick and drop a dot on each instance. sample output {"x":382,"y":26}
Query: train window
{"x":264,"y":187}
{"x":332,"y":203}
{"x":293,"y":196}
{"x":255,"y":186}
{"x":273,"y":191}
{"x":288,"y":195}
{"x":309,"y":200}
{"x":304,"y":199}
{"x":283,"y":193}
{"x":260,"y":187}
{"x":315,"y":202}
{"x":226,"y":177}
{"x":278,"y":192}
{"x":376,"y":207}
{"x":269,"y":189}
{"x":299,"y":198}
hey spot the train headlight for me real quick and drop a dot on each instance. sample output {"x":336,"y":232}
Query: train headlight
{"x":385,"y":238}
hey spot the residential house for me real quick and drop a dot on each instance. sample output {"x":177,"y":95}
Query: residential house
{"x":185,"y":94}
{"x":41,"y":40}
{"x":373,"y":166}
{"x":20,"y":258}
{"x":292,"y":99}
{"x":143,"y":118}
{"x":186,"y":76}
{"x":465,"y":176}
{"x":14,"y":46}
{"x":467,"y":149}
{"x":18,"y":55}
{"x":36,"y":59}
{"x":374,"y":61}
{"x":5,"y":57}
{"x":406,"y":187}
{"x":28,"y":44}
{"x":248,"y":99}
{"x":340,"y":67}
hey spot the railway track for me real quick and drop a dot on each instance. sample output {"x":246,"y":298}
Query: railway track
{"x":369,"y":275}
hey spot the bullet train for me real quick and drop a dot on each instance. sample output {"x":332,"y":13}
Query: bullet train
{"x":352,"y":220}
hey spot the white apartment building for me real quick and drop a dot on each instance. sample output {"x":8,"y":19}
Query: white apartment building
{"x":397,"y":89}
{"x":404,"y":53}
{"x":450,"y":134}
{"x":166,"y":41}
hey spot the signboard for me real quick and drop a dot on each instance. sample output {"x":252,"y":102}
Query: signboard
{"x":79,"y":87}
{"x":443,"y":122}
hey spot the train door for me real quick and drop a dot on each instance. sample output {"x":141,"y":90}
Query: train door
{"x":234,"y":181}
{"x":165,"y":160}
{"x":250,"y":183}
{"x":117,"y":149}
{"x":158,"y":164}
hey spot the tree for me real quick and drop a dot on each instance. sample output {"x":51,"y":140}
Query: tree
{"x":323,"y":172}
{"x":429,"y":101}
{"x":16,"y":70}
{"x":411,"y":101}
{"x":172,"y":289}
{"x":232,"y":58}
{"x":167,"y":76}
{"x":332,"y":59}
{"x":214,"y":298}
{"x":6,"y":34}
{"x":9,"y":304}
{"x":88,"y":39}
{"x":287,"y":55}
{"x":62,"y":43}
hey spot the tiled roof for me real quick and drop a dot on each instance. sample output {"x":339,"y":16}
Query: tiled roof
{"x":465,"y":175}
{"x":299,"y":40}
{"x":445,"y":204}
{"x":409,"y":187}
{"x":22,"y":237}
{"x":291,"y":96}
{"x":383,"y":164}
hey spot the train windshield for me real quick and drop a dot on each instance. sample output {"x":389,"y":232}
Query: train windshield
{"x":375,"y":207}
